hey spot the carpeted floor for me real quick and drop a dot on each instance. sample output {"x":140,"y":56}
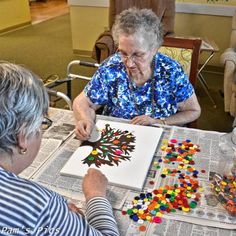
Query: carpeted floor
{"x":213,"y":118}
{"x":46,"y":48}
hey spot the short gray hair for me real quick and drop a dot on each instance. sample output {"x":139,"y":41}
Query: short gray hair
{"x":23,"y":103}
{"x":143,"y":22}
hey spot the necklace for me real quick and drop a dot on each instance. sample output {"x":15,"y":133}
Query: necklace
{"x":131,"y":88}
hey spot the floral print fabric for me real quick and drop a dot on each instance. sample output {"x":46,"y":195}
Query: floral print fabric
{"x":111,"y":87}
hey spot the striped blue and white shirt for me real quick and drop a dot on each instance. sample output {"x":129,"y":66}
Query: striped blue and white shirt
{"x":27,"y":208}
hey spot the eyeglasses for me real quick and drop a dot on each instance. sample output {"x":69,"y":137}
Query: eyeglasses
{"x":136,"y":57}
{"x":46,"y":123}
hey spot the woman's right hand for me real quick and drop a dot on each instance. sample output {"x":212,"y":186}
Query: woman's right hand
{"x":94,"y":184}
{"x":83,"y":129}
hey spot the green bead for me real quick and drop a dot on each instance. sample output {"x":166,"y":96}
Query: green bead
{"x":193,"y":205}
{"x":129,"y":211}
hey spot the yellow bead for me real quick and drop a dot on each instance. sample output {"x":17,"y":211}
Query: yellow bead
{"x":159,"y":214}
{"x":165,"y":141}
{"x":140,"y":211}
{"x":185,"y":209}
{"x":201,"y":189}
{"x":135,"y":201}
{"x":94,"y":152}
{"x":163,"y":147}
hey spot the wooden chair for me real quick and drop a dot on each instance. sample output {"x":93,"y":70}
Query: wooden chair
{"x":186,"y":52}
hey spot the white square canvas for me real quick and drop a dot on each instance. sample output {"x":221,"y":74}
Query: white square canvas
{"x":123,"y":152}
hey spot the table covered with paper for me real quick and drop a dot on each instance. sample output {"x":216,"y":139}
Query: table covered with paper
{"x":176,"y":196}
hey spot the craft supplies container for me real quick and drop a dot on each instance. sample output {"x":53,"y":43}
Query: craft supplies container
{"x":227,"y":147}
{"x":224,"y":181}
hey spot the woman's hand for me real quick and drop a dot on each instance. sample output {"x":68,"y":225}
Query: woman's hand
{"x":94,"y":184}
{"x":83,"y":129}
{"x":72,"y":207}
{"x":143,"y":120}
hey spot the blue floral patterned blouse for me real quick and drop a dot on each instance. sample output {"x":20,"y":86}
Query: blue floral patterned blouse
{"x":110,"y":87}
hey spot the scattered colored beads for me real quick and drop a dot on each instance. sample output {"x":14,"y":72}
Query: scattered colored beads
{"x":184,"y":196}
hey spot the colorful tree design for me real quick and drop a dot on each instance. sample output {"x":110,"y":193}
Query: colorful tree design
{"x":113,"y":147}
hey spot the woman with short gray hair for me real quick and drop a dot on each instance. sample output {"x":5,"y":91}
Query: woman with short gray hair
{"x":23,"y":105}
{"x":141,"y":24}
{"x":27,"y":208}
{"x":137,"y":82}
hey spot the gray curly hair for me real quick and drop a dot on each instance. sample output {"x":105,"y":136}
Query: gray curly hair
{"x":143,"y":22}
{"x":23,"y":103}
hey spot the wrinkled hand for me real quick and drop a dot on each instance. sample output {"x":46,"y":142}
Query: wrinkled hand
{"x":72,"y":207}
{"x":143,"y":120}
{"x":83,"y":129}
{"x":94,"y":184}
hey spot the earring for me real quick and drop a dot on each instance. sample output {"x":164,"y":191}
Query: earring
{"x":23,"y":151}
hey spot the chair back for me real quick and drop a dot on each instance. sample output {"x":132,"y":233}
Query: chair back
{"x":184,"y":51}
{"x":165,"y":10}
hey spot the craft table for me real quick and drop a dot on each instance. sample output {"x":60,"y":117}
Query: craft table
{"x":207,"y":218}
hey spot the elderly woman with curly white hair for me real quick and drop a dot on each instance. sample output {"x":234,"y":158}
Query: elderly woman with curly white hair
{"x":27,"y":208}
{"x":137,"y":82}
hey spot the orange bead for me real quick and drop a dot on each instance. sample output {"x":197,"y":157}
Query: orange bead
{"x":142,"y":228}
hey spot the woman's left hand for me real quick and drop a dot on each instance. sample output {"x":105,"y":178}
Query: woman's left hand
{"x":72,"y":207}
{"x":143,"y":120}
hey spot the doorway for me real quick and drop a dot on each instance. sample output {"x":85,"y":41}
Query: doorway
{"x":42,"y":10}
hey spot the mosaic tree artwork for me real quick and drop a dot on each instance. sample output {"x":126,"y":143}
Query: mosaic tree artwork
{"x":113,"y":147}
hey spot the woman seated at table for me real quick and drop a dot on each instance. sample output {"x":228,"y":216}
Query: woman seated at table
{"x":137,"y":82}
{"x":27,"y":208}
